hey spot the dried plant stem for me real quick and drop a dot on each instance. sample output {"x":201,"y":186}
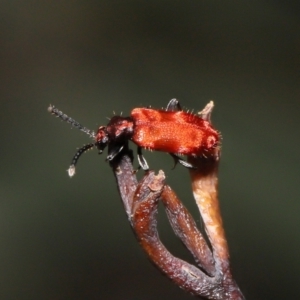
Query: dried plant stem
{"x":212,"y":279}
{"x":141,"y":201}
{"x":186,"y":229}
{"x":204,"y":186}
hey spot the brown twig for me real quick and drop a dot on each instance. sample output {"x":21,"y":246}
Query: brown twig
{"x":140,"y":201}
{"x":204,"y":185}
{"x":213,"y":279}
{"x":185,"y":228}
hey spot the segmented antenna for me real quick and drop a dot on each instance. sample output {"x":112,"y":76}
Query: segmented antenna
{"x":71,"y":170}
{"x":74,"y":123}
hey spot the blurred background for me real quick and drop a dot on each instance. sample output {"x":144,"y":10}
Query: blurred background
{"x":63,"y":238}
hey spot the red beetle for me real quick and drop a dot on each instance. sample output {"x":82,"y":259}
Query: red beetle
{"x":171,"y":130}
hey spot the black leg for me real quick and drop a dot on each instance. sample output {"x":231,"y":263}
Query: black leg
{"x":114,"y":151}
{"x":177,"y":159}
{"x":173,"y":105}
{"x":142,"y":161}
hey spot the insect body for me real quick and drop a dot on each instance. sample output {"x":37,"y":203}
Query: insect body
{"x":171,"y":130}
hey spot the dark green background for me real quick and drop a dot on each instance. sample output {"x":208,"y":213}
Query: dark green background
{"x":70,"y":239}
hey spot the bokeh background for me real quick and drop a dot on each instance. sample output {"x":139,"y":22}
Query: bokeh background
{"x":64,"y":238}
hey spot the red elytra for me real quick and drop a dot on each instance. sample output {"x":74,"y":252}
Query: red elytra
{"x":175,"y":132}
{"x":172,"y":130}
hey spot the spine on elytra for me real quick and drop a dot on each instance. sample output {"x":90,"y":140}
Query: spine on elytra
{"x":53,"y":110}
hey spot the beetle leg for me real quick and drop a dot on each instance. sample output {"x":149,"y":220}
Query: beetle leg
{"x":142,"y":161}
{"x":114,"y":151}
{"x":173,"y":105}
{"x":177,"y":159}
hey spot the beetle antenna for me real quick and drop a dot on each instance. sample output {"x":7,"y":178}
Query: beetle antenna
{"x":71,"y":170}
{"x":67,"y":119}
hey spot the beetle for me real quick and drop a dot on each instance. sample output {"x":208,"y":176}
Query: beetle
{"x":169,"y":130}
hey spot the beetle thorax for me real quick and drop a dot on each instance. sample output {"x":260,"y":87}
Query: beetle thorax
{"x":119,"y":129}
